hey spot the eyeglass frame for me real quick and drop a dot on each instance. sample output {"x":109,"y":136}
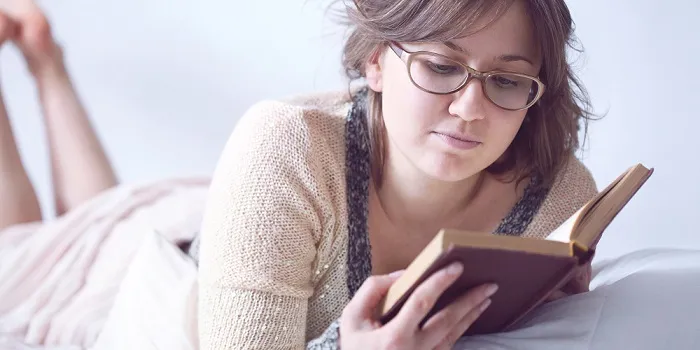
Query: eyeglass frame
{"x":472,"y":73}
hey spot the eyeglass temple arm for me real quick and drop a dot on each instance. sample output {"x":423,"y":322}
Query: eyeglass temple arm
{"x":397,"y":49}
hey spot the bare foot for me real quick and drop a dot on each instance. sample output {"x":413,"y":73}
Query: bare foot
{"x":32,"y":35}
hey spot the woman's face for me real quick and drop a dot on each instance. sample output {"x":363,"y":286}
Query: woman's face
{"x":454,"y":136}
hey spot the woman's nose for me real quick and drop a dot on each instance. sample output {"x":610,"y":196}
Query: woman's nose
{"x":469,"y":102}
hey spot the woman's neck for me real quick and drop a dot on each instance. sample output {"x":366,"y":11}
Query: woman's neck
{"x":412,"y":199}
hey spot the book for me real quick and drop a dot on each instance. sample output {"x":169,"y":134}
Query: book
{"x":526,"y":269}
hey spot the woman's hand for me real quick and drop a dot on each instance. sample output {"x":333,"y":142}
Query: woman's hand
{"x":359,"y":329}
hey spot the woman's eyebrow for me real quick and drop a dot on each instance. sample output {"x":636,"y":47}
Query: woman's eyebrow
{"x":502,"y":58}
{"x":456,"y":47}
{"x":513,"y":58}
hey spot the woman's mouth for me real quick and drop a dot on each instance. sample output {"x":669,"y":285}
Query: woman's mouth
{"x":458,"y":141}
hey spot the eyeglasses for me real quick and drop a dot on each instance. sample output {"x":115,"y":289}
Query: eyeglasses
{"x":441,"y":75}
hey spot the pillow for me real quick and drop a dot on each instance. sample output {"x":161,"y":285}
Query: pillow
{"x":156,"y":306}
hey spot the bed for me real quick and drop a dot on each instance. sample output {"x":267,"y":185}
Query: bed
{"x":111,"y":276}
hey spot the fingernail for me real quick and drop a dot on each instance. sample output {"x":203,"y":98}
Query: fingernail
{"x":484,"y":305}
{"x":454,"y":269}
{"x":491,"y":290}
{"x":396,"y":273}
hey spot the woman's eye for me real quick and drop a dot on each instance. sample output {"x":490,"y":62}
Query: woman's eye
{"x":442,"y":68}
{"x":504,"y":82}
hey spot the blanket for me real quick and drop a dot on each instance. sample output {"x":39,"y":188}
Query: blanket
{"x":59,"y":280}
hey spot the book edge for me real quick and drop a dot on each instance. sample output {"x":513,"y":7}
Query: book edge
{"x":414,"y":273}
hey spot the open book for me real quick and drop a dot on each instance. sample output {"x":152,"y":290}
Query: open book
{"x":527,"y":270}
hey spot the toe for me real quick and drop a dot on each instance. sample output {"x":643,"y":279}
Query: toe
{"x":6,"y":27}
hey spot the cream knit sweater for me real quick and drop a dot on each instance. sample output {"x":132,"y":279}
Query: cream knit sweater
{"x":274,"y":239}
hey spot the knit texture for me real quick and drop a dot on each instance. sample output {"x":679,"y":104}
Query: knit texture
{"x":274,"y":245}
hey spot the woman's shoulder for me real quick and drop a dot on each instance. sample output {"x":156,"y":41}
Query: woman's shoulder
{"x":317,"y":114}
{"x":298,"y":132}
{"x":572,"y":188}
{"x":281,"y":172}
{"x":575,"y":176}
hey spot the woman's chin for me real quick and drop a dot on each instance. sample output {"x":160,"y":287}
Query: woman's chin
{"x":448,"y":170}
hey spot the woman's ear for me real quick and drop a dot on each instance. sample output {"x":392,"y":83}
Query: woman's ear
{"x":373,"y":69}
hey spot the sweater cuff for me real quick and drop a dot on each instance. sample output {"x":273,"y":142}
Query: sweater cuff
{"x":329,"y":340}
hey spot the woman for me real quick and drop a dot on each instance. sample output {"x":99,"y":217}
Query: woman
{"x":466,"y":117}
{"x":80,"y":168}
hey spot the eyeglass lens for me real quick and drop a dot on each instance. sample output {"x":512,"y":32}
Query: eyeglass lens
{"x":441,"y":75}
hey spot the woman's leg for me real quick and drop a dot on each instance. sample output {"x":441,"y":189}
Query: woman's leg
{"x":18,"y":201}
{"x":80,"y":167}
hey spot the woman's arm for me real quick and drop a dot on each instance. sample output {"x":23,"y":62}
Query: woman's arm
{"x":259,"y":235}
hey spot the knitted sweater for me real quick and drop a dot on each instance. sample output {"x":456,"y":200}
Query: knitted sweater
{"x":284,"y":241}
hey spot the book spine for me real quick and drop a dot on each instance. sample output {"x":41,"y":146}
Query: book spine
{"x":583,"y":253}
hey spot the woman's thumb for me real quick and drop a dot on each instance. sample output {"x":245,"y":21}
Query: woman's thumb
{"x":367,"y":298}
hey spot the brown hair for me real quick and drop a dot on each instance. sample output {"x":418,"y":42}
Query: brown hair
{"x":549,"y":134}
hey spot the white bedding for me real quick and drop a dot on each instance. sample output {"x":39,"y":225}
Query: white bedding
{"x":643,"y":300}
{"x":156,"y":307}
{"x":67,"y":281}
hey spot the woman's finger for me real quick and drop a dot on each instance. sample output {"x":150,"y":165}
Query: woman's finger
{"x":452,"y":318}
{"x":359,"y":311}
{"x":464,"y":324}
{"x":424,"y":297}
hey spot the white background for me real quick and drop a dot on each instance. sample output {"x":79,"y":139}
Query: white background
{"x":165,"y":81}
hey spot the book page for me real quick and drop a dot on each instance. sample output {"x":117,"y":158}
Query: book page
{"x":563,"y":232}
{"x":593,"y":225}
{"x":611,"y":199}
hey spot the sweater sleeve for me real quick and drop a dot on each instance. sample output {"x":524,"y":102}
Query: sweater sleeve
{"x":259,"y":235}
